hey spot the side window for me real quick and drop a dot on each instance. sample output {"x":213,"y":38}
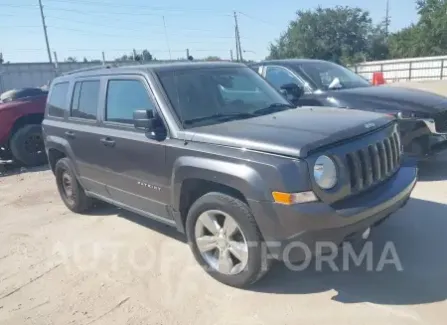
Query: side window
{"x":85,"y":99}
{"x":57,"y":100}
{"x":124,"y":97}
{"x":280,"y":76}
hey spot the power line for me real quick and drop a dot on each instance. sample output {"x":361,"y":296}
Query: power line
{"x":139,"y":29}
{"x":123,"y":50}
{"x":108,"y":12}
{"x":116,"y":5}
{"x":89,"y":32}
{"x":257,"y":19}
{"x":12,"y":5}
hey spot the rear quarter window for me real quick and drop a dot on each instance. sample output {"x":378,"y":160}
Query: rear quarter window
{"x":58,"y":99}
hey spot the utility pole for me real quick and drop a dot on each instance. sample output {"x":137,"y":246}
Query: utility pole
{"x":167,"y":39}
{"x":387,"y":17}
{"x":238,"y":39}
{"x":103,"y":58}
{"x":231,"y":55}
{"x":45,"y":31}
{"x":56,"y":63}
{"x":187,"y":54}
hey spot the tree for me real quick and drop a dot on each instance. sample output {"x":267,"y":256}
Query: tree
{"x":428,"y":37}
{"x":378,"y":48}
{"x":213,"y":58}
{"x":339,"y":34}
{"x":85,"y":60}
{"x":71,"y":59}
{"x":146,"y":55}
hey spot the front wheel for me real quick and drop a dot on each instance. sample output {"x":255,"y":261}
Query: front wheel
{"x":225,"y":240}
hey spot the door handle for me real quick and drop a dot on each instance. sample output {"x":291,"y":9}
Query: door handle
{"x":109,"y":142}
{"x":70,"y":134}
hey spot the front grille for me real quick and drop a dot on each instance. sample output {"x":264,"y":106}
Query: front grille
{"x":441,"y":121}
{"x":375,"y":163}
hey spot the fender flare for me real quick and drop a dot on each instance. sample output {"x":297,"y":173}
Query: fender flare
{"x":235,"y":175}
{"x":62,"y":145}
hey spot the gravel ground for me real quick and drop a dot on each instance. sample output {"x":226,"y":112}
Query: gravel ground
{"x":113,"y":267}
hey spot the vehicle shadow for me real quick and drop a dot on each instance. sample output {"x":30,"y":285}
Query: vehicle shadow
{"x":433,"y":170}
{"x":103,"y":209}
{"x":418,"y":233}
{"x":10,"y":169}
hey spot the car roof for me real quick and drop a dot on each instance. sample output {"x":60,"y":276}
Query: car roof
{"x":157,"y":67}
{"x":289,"y":61}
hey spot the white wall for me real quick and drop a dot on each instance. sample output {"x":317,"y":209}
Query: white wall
{"x":19,"y":75}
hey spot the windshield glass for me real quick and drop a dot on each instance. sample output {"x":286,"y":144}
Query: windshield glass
{"x":203,"y":96}
{"x":329,"y":76}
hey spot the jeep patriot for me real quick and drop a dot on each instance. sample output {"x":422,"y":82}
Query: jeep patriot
{"x":214,"y":150}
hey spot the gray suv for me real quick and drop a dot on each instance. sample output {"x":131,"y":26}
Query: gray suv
{"x":215,"y":151}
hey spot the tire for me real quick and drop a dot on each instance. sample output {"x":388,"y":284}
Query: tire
{"x":27,"y":145}
{"x":75,"y":198}
{"x":256,"y":265}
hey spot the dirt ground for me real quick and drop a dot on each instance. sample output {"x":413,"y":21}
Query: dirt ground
{"x":113,"y":267}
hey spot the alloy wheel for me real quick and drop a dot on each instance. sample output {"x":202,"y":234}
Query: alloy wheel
{"x":221,"y":242}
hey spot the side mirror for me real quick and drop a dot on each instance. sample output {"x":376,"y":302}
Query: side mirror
{"x":144,"y":120}
{"x":292,"y":91}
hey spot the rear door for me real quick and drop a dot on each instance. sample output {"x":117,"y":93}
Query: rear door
{"x":83,"y":132}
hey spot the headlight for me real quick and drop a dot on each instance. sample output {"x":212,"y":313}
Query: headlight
{"x":325,"y":172}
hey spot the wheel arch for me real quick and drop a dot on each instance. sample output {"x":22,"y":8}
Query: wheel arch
{"x":57,"y":148}
{"x":193,"y":177}
{"x":34,"y":118}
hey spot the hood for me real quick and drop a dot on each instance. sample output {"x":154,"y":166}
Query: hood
{"x":387,"y":98}
{"x":294,"y":132}
{"x":15,"y":104}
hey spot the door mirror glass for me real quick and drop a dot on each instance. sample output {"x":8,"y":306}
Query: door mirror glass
{"x":292,"y":91}
{"x":144,"y":120}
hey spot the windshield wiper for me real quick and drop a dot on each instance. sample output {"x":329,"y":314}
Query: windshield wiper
{"x":275,"y":107}
{"x":219,"y":116}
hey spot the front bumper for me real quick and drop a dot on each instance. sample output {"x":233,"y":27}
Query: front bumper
{"x":310,"y":223}
{"x":420,"y":137}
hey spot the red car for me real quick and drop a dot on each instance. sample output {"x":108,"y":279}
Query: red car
{"x":21,"y":115}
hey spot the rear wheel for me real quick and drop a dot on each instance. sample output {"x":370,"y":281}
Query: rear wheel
{"x":225,"y":239}
{"x":27,"y":145}
{"x":69,"y":188}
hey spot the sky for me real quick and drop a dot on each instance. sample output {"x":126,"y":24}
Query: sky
{"x":86,"y":28}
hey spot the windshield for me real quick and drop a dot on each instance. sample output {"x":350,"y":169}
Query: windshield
{"x":329,"y":76}
{"x":206,"y":96}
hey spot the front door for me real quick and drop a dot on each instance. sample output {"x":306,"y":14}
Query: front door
{"x":133,"y":161}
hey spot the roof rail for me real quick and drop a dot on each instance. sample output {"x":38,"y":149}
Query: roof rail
{"x":90,"y":69}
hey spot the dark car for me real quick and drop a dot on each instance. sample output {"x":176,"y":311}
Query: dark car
{"x":423,"y":115}
{"x":215,"y":151}
{"x":21,"y":113}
